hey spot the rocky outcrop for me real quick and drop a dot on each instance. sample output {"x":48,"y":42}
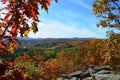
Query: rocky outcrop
{"x":92,"y":73}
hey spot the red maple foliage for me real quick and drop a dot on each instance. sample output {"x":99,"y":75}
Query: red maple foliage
{"x":17,"y":14}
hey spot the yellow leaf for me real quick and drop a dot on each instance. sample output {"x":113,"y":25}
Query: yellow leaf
{"x":26,"y":33}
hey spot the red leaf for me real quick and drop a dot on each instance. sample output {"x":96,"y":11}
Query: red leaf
{"x":3,"y":1}
{"x":7,"y":15}
{"x":2,"y":69}
{"x":13,"y":31}
{"x":2,"y":45}
{"x":3,"y":78}
{"x":48,"y":1}
{"x":18,"y":75}
{"x":9,"y":7}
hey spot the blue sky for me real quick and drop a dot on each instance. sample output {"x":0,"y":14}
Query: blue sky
{"x":67,"y":19}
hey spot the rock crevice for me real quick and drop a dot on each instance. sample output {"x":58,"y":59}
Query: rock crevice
{"x":92,"y":73}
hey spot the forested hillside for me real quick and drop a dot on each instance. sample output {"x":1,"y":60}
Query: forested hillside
{"x":38,"y":58}
{"x":47,"y":47}
{"x":46,"y":59}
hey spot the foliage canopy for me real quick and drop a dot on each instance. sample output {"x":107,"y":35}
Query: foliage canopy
{"x":108,"y":11}
{"x":18,"y":17}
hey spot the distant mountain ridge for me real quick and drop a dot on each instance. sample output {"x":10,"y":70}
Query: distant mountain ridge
{"x":75,"y":38}
{"x":47,"y":41}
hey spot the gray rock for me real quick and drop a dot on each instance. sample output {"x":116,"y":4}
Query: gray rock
{"x":60,"y":78}
{"x":117,"y":69}
{"x":76,"y":74}
{"x":105,"y":67}
{"x":106,"y":77}
{"x":89,"y":78}
{"x":85,"y":74}
{"x":91,"y":71}
{"x":98,"y":68}
{"x":74,"y":78}
{"x":65,"y":76}
{"x":103,"y":72}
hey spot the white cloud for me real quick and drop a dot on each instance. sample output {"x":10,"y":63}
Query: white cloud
{"x":55,"y":29}
{"x":81,"y":3}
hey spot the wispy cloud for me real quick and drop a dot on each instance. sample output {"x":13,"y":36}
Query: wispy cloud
{"x":56,"y":29}
{"x":81,"y":3}
{"x":69,"y":13}
{"x":65,"y":14}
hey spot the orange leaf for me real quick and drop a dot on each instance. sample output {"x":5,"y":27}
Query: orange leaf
{"x":10,"y":64}
{"x":12,"y":46}
{"x":1,"y":31}
{"x":2,"y":45}
{"x":92,"y":60}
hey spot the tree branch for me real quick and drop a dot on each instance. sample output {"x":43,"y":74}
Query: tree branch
{"x":6,"y":29}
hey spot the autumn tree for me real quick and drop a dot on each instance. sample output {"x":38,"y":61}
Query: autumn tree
{"x":112,"y":57}
{"x":108,"y":11}
{"x":18,"y":18}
